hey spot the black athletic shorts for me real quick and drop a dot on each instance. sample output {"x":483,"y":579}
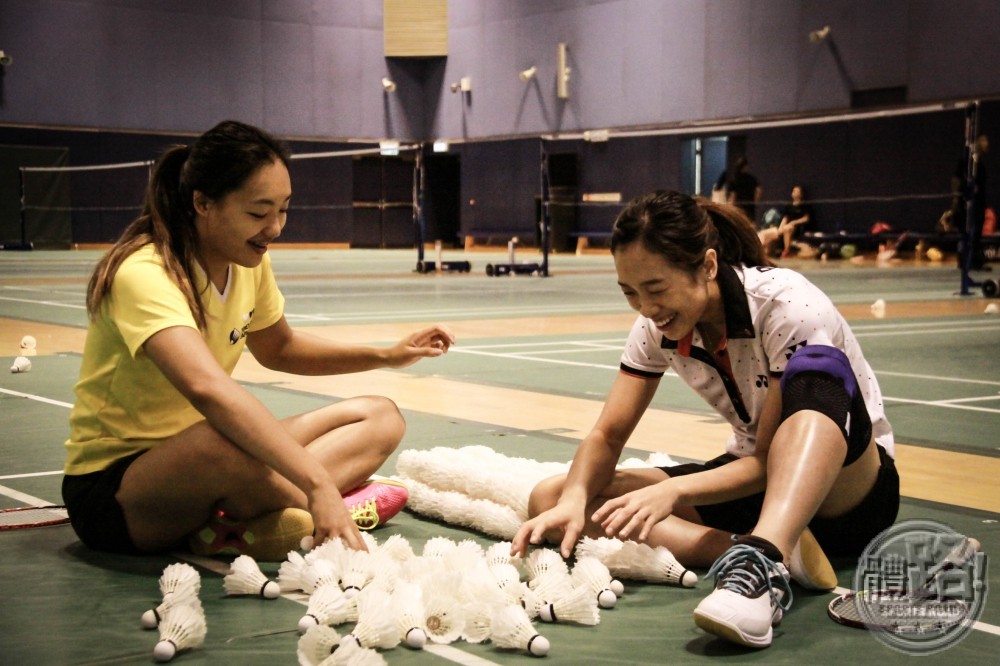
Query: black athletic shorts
{"x":95,"y":514}
{"x":843,"y":536}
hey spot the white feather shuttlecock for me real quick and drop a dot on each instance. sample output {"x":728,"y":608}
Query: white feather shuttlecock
{"x":444,"y":619}
{"x":499,"y":553}
{"x":21,"y":364}
{"x":408,"y":602}
{"x":317,"y":644}
{"x":657,"y":564}
{"x":351,"y":654}
{"x":593,"y":574}
{"x":332,"y":550}
{"x":177,"y":576}
{"x":246,"y":579}
{"x":184,"y":628}
{"x":512,"y":628}
{"x":508,"y":579}
{"x":376,"y":626}
{"x":183,"y":595}
{"x":319,"y":573}
{"x":543,"y":560}
{"x":479,"y":619}
{"x":578,"y":606}
{"x":359,"y":569}
{"x":398,"y":548}
{"x":327,"y":605}
{"x":459,"y":509}
{"x":438,"y":546}
{"x":289,"y":577}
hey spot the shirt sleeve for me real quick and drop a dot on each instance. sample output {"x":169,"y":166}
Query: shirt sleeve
{"x":145,"y":300}
{"x":798,"y":314}
{"x":642,"y":355}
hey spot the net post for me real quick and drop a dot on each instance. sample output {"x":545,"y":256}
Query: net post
{"x":418,"y":206}
{"x":968,"y":194}
{"x":24,"y":244}
{"x":546,"y":221}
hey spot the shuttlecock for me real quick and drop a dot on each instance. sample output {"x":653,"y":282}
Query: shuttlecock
{"x":878,"y":308}
{"x":289,"y":577}
{"x":408,"y":602}
{"x":317,"y":644}
{"x":183,"y":628}
{"x":351,"y":654}
{"x":508,"y":579}
{"x":656,"y":565}
{"x":376,"y":625}
{"x":187,"y":595}
{"x":246,"y":579}
{"x":543,"y":560}
{"x":438,"y":546}
{"x":358,"y":571}
{"x":593,"y":574}
{"x":992,"y":308}
{"x":318,"y":573}
{"x":579,"y":606}
{"x":397,"y":547}
{"x":179,"y":576}
{"x":444,"y":614}
{"x":21,"y":364}
{"x":27,"y":346}
{"x":327,"y":605}
{"x":512,"y":628}
{"x":499,"y":553}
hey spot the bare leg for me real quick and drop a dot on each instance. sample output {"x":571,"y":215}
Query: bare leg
{"x":171,"y":490}
{"x":805,"y":477}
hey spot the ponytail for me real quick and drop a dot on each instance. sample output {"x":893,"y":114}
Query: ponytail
{"x":166,"y":222}
{"x":682,"y":229}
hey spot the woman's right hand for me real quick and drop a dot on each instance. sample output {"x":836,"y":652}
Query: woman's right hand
{"x":564,"y":517}
{"x":332,"y":519}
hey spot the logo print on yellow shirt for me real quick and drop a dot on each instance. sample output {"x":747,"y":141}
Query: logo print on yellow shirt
{"x":239,"y":333}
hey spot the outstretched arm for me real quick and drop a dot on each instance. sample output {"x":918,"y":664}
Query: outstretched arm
{"x":593,"y":466}
{"x":281,"y":347}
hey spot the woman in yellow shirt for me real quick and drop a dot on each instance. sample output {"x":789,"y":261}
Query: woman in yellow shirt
{"x":164,"y":445}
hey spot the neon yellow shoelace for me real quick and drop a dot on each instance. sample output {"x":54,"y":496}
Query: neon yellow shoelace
{"x":365,"y":515}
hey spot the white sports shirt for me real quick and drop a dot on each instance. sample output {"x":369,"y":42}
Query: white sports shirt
{"x":770,"y":313}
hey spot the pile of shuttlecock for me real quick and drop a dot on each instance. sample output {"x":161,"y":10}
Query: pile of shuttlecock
{"x":479,"y":488}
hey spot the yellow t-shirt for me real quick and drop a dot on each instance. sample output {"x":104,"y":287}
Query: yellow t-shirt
{"x":124,"y":404}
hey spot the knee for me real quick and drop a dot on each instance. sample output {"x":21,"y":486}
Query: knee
{"x":387,"y":420}
{"x":820,"y":378}
{"x":545,"y":494}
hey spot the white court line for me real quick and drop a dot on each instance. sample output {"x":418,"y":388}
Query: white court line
{"x":24,"y":498}
{"x":943,"y":405}
{"x":37,"y":398}
{"x":54,"y":304}
{"x":957,"y":400}
{"x":31,"y":474}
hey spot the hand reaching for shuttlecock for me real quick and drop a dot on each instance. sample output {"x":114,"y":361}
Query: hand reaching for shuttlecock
{"x":428,"y":343}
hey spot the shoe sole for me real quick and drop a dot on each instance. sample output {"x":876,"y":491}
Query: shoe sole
{"x":809,"y":565}
{"x":731,"y":633}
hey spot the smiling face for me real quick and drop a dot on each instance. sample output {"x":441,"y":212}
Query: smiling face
{"x":238,"y":227}
{"x":676,"y":300}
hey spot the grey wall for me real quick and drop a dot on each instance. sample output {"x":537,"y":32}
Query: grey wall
{"x":312,"y":68}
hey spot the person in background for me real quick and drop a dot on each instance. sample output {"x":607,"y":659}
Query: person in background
{"x":745,"y":189}
{"x":797,"y":217}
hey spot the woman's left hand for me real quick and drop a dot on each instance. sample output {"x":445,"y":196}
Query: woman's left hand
{"x":430,"y":342}
{"x":638,"y":510}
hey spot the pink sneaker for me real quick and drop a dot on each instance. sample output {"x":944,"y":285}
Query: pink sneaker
{"x":376,"y":501}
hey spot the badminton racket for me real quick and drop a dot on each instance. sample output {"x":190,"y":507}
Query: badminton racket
{"x":25,"y":517}
{"x":918,"y":612}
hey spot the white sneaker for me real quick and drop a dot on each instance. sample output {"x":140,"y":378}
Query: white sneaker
{"x":809,"y":565}
{"x":751,"y":593}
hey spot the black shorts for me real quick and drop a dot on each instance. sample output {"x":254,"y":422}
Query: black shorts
{"x":843,"y":536}
{"x":95,"y":514}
